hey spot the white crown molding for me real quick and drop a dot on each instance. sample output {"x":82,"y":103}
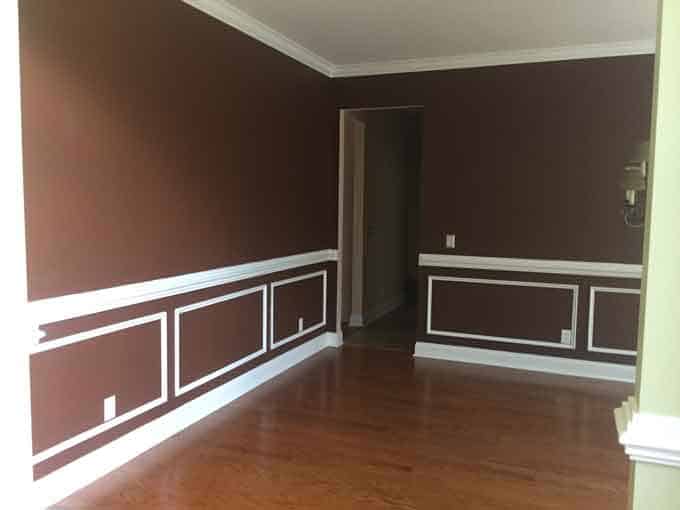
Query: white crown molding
{"x":56,"y":309}
{"x":648,"y":438}
{"x":530,"y":362}
{"x":236,"y":18}
{"x":567,"y":267}
{"x":498,"y":58}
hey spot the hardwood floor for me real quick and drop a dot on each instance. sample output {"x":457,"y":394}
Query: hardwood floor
{"x":376,"y":429}
{"x":395,"y":331}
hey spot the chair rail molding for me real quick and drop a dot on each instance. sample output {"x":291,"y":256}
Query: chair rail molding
{"x":47,"y":311}
{"x":545,"y":266}
{"x":646,"y":437}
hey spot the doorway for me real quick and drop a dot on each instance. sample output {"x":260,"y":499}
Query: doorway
{"x":378,"y":226}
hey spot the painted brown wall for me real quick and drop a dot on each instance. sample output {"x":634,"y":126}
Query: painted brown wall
{"x":528,"y":314}
{"x":535,"y":313}
{"x":159,"y":141}
{"x":69,"y":383}
{"x":523,"y":160}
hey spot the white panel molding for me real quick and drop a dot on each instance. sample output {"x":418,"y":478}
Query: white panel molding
{"x":133,"y":413}
{"x":324,"y":303}
{"x":592,"y":318}
{"x":530,"y":362}
{"x":646,"y":437}
{"x":236,"y":18}
{"x":182,"y":389}
{"x":85,"y":470}
{"x":500,"y":58}
{"x":61,"y":308}
{"x":574,"y":289}
{"x":565,"y":267}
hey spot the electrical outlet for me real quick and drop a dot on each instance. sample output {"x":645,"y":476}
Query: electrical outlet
{"x":450,"y":240}
{"x":567,"y":337}
{"x":301,"y":324}
{"x":110,"y":408}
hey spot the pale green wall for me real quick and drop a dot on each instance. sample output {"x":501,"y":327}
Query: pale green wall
{"x":657,"y":487}
{"x":659,"y":388}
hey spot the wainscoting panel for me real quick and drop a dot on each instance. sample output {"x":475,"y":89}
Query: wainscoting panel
{"x":72,"y":376}
{"x":519,"y":312}
{"x":216,"y":336}
{"x":613,"y":320}
{"x":298,"y":307}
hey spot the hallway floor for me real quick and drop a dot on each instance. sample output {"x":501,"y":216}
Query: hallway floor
{"x":395,"y":331}
{"x":375,"y":429}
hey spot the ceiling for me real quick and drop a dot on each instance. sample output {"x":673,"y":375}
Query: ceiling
{"x":351,"y":37}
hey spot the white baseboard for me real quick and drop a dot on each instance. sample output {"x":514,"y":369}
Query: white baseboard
{"x":532,"y":362}
{"x":334,"y":340}
{"x":649,"y":438}
{"x":60,"y":484}
{"x":384,"y":308}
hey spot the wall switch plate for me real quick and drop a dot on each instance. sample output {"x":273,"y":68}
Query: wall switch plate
{"x":450,"y":240}
{"x":567,"y":337}
{"x":110,"y":408}
{"x":301,"y":324}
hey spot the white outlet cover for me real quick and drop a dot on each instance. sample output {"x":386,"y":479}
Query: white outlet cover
{"x":301,"y":324}
{"x":566,"y":337}
{"x":110,"y":408}
{"x":450,"y":240}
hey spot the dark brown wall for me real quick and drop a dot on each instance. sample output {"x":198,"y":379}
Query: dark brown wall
{"x":513,"y":311}
{"x":70,"y":383}
{"x":529,"y":313}
{"x":615,"y":320}
{"x":523,"y":160}
{"x":159,"y":141}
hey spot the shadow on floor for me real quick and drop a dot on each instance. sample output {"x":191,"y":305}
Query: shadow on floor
{"x":396,"y":332}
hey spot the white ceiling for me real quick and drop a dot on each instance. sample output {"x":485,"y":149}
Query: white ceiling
{"x":349,"y":36}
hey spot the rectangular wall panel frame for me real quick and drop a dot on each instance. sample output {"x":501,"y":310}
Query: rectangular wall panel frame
{"x":591,"y":319}
{"x":278,"y":343}
{"x":182,"y":389}
{"x":525,"y":341}
{"x":133,"y":413}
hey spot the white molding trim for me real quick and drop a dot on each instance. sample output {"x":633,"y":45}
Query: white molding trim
{"x":181,"y":390}
{"x":530,"y":362}
{"x":591,"y":319}
{"x":525,"y":341}
{"x":236,"y":18}
{"x":499,"y":58}
{"x":61,"y":308}
{"x":85,"y":470}
{"x":133,"y":413}
{"x":324,"y":303}
{"x":646,"y":437}
{"x":334,"y":340}
{"x":565,"y":267}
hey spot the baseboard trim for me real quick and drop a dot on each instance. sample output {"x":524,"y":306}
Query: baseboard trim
{"x":531,"y":362}
{"x":649,"y":438}
{"x":60,"y":484}
{"x":334,"y":340}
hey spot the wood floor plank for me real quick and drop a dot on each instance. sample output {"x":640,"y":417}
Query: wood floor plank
{"x":375,"y":429}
